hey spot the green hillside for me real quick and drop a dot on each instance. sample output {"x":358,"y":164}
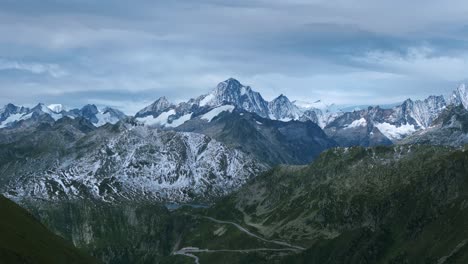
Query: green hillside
{"x":403,"y":204}
{"x":24,"y":240}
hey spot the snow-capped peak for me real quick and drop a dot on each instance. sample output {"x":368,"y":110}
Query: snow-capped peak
{"x":231,"y":91}
{"x":156,"y":108}
{"x":11,"y":109}
{"x":57,"y":108}
{"x":282,"y":109}
{"x":42,"y":109}
{"x":228,"y":91}
{"x":460,"y":96}
{"x":89,"y":110}
{"x":11,"y":113}
{"x":108,"y":115}
{"x":101,"y":117}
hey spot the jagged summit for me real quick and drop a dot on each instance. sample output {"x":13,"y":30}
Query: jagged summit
{"x":460,"y":96}
{"x":57,"y":108}
{"x":231,"y":91}
{"x":230,"y":83}
{"x":281,"y":97}
{"x":395,"y":121}
{"x":8,"y":108}
{"x":12,"y":115}
{"x":155,"y":108}
{"x":41,"y":109}
{"x":89,"y":111}
{"x":11,"y":109}
{"x":281,"y":108}
{"x":449,"y":128}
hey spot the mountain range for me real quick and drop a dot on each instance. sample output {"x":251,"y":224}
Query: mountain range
{"x":71,"y":159}
{"x":373,"y":125}
{"x":197,"y":150}
{"x":231,"y":177}
{"x":12,"y":115}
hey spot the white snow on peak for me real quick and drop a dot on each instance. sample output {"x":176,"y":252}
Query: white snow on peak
{"x":393,"y":132}
{"x":207,"y":99}
{"x":105,"y":118}
{"x":216,"y":111}
{"x":159,"y":120}
{"x":12,"y":118}
{"x":57,"y":108}
{"x":180,"y":120}
{"x":462,"y":93}
{"x":56,"y":116}
{"x":243,"y":90}
{"x":357,"y":123}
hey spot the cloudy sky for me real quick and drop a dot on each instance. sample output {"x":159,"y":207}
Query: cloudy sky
{"x":128,"y":53}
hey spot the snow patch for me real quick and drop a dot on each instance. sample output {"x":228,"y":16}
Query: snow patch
{"x":357,"y":123}
{"x":105,"y":118}
{"x":57,"y":108}
{"x":160,"y":120}
{"x":180,"y":120}
{"x":47,"y":110}
{"x":207,"y":99}
{"x":393,"y":132}
{"x":243,"y":90}
{"x":216,"y":111}
{"x":12,"y":118}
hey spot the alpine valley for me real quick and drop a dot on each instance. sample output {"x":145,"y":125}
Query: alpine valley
{"x":229,"y":177}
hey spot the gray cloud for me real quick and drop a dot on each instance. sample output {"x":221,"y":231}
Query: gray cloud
{"x":53,"y":70}
{"x":127,"y":54}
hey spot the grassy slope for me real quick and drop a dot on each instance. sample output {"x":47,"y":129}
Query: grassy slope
{"x":381,"y":205}
{"x":118,"y":233}
{"x":25,"y":240}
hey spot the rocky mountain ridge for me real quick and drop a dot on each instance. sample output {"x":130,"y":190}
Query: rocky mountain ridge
{"x":12,"y":115}
{"x":393,"y":123}
{"x":381,"y":126}
{"x":377,"y":126}
{"x":126,"y":161}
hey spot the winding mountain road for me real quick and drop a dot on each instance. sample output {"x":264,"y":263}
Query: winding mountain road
{"x":186,"y":251}
{"x":281,"y":243}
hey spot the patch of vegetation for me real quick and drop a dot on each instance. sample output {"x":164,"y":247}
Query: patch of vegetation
{"x":24,"y":240}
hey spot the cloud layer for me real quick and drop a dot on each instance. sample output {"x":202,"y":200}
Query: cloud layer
{"x":126,"y":54}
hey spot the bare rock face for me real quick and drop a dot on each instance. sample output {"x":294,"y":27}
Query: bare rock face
{"x":379,"y":126}
{"x":450,"y":128}
{"x":122,"y":162}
